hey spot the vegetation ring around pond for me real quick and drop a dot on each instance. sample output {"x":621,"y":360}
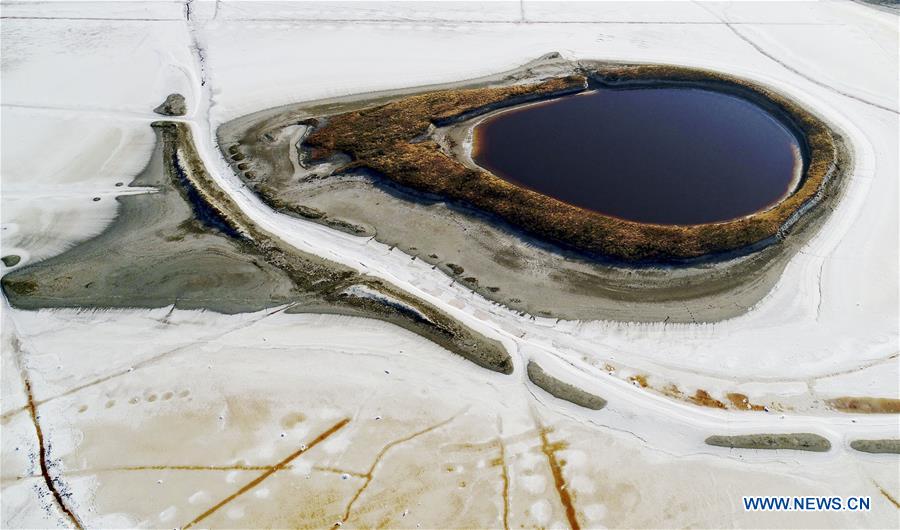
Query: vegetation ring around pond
{"x":398,"y":141}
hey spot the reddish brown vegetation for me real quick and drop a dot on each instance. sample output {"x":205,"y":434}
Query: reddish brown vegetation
{"x":702,"y":398}
{"x":866,"y":405}
{"x":385,"y":139}
{"x":742,"y":402}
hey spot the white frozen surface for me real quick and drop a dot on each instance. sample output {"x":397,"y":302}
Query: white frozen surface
{"x":77,"y":94}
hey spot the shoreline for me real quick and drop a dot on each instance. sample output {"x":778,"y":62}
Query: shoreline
{"x":197,"y":250}
{"x":715,"y":289}
{"x":402,"y":152}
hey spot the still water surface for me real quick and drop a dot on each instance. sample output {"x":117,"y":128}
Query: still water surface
{"x":654,"y":155}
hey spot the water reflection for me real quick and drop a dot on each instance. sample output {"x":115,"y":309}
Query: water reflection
{"x":656,"y":155}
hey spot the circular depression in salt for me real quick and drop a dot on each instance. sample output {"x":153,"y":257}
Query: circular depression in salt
{"x":663,"y":155}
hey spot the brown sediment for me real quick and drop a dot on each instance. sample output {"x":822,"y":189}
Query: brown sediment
{"x":270,"y":471}
{"x":701,"y":397}
{"x":500,"y":462}
{"x":549,"y":450}
{"x":742,"y":402}
{"x":370,"y":473}
{"x":426,"y":320}
{"x":388,"y":139}
{"x":39,"y":433}
{"x":563,"y":390}
{"x":639,"y":379}
{"x":887,"y":495}
{"x":174,"y":105}
{"x":171,"y":467}
{"x":19,"y":287}
{"x":865,"y":405}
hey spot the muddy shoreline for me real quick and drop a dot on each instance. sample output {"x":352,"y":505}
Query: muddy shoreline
{"x":498,"y":260}
{"x":190,"y":246}
{"x":394,"y":140}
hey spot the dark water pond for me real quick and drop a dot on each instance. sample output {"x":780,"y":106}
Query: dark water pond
{"x":654,"y":155}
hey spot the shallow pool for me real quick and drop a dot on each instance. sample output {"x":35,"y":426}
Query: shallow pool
{"x":653,"y":155}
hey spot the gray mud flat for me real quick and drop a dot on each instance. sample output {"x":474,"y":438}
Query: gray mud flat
{"x":189,"y":246}
{"x":794,"y":441}
{"x":497,"y":260}
{"x":891,"y":446}
{"x":156,"y":253}
{"x":563,"y":390}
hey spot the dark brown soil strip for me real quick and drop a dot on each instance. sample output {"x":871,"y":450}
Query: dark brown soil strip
{"x":549,"y":450}
{"x":269,"y":472}
{"x":42,"y":450}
